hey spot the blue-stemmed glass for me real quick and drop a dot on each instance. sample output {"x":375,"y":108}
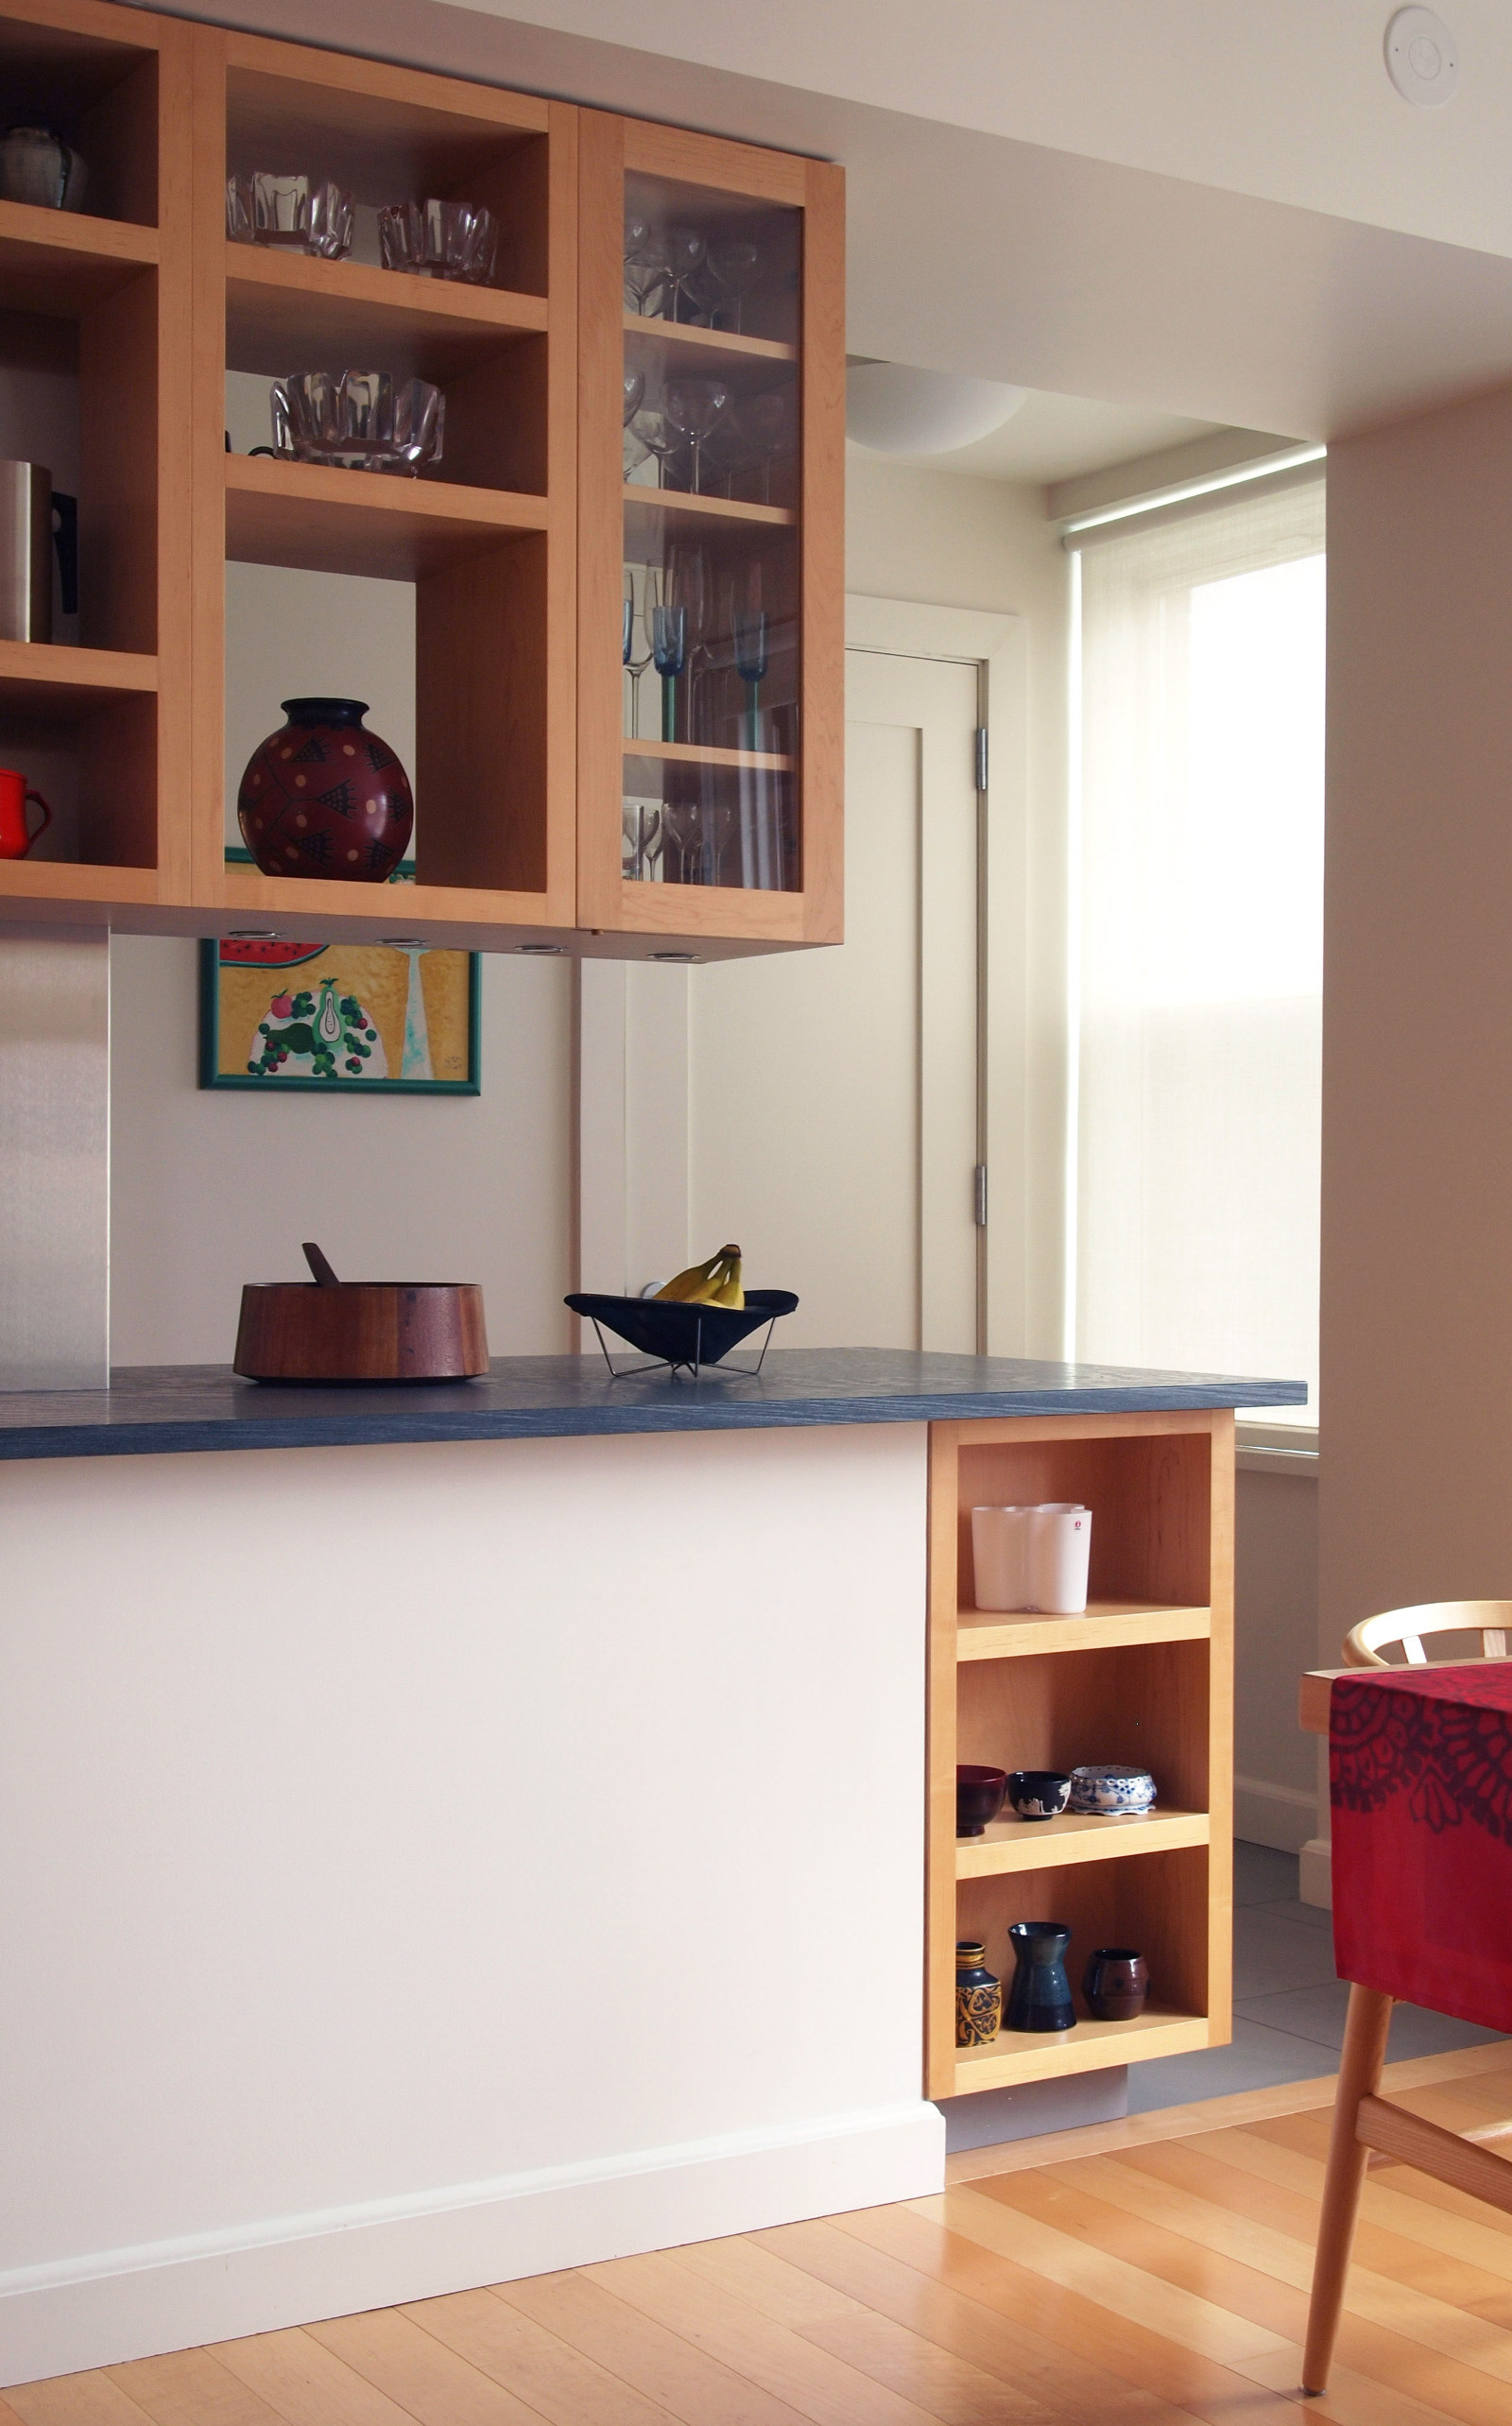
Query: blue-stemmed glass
{"x":669,"y":649}
{"x":751,"y":664}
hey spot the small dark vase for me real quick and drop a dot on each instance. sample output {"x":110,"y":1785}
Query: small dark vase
{"x":978,"y":1797}
{"x":1039,"y":1992}
{"x":324,"y":796}
{"x":1116,"y":1983}
{"x":978,"y":1996}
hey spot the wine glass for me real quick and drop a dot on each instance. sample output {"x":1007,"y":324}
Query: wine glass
{"x":769,"y":421}
{"x":747,"y":624}
{"x":657,"y":435}
{"x":640,"y":830}
{"x":669,"y":651}
{"x":685,"y":249}
{"x":728,"y":453}
{"x":635,"y":666}
{"x":693,"y":407}
{"x":734,"y":266}
{"x":688,"y":587}
{"x":682,"y":827}
{"x":634,"y":450}
{"x":647,"y":262}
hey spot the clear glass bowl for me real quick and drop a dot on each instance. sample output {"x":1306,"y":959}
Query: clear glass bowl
{"x":439,"y":240}
{"x":303,"y":213}
{"x":360,"y":421}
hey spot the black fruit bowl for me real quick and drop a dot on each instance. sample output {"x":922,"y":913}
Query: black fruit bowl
{"x":677,"y":1333}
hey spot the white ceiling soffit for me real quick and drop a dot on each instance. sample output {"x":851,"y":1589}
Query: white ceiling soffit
{"x":976,"y":251}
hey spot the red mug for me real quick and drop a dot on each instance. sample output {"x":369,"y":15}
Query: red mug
{"x":16,"y":841}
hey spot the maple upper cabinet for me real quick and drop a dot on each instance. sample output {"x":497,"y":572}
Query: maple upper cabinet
{"x":711,"y":520}
{"x":561,"y":802}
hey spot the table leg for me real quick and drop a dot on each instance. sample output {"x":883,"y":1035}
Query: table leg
{"x":1360,"y":2065}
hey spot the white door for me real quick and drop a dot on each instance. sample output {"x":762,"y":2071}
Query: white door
{"x":834,"y":1093}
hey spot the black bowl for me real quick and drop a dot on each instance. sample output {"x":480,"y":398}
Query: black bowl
{"x":680,"y":1333}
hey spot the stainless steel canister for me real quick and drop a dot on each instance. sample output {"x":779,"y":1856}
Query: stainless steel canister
{"x":25,"y":551}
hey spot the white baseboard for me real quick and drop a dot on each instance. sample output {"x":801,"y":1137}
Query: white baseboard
{"x":1317,"y":1873}
{"x":121,"y":2304}
{"x":1282,"y":1817}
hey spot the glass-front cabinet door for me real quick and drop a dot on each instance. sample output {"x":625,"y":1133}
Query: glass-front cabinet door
{"x":711,"y":409}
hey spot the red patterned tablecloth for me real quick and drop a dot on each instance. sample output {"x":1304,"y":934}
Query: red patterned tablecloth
{"x":1420,"y":1783}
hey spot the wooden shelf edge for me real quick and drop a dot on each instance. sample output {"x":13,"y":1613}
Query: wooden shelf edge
{"x":713,"y":509}
{"x":1074,"y":1839}
{"x":77,"y":234}
{"x":288,"y":898}
{"x":726,"y":341}
{"x":731,"y":912}
{"x":1092,"y":2046}
{"x":58,"y":667}
{"x":986,"y":1635}
{"x":297,"y":273}
{"x":689,"y":753}
{"x":377,"y":492}
{"x":74,"y":880}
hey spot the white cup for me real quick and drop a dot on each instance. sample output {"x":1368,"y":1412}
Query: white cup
{"x":1000,"y":1551}
{"x":1060,"y":1545}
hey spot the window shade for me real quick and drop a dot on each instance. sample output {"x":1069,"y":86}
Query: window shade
{"x":1195,"y":1234}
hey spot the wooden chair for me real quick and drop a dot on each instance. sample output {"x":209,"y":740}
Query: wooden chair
{"x":1363,"y":2119}
{"x":1408,"y":1626}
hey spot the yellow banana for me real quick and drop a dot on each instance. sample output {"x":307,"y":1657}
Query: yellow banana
{"x":696,"y":1285}
{"x":729,"y":1292}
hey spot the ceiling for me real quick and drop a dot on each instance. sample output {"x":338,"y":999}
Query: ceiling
{"x":1055,"y":437}
{"x":1212,"y":209}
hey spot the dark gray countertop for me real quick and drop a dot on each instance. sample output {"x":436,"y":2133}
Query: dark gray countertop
{"x":174,"y":1407}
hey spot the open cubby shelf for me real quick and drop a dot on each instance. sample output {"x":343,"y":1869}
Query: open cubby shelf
{"x":144,"y":310}
{"x":1145,"y":1676}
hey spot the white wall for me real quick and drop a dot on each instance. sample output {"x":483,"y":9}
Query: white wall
{"x":425,"y":1866}
{"x":209,"y":1189}
{"x":1275,"y":1639}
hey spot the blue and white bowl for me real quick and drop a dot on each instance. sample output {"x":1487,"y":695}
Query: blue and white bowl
{"x":1108,"y":1788}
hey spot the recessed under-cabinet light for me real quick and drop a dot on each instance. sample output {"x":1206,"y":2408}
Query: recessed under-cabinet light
{"x":403,"y":942}
{"x":672,"y":955}
{"x":252,"y":935}
{"x":542,"y":951}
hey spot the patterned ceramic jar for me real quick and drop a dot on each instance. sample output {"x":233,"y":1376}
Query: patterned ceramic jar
{"x":978,"y":1996}
{"x":1109,"y":1787}
{"x":324,"y":796}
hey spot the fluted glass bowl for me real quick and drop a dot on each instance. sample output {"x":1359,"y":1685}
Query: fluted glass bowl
{"x":435,"y":239}
{"x":358,"y":421}
{"x":299,"y":213}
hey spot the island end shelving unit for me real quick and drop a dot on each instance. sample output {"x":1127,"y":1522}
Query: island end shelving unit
{"x":1146,"y":1676}
{"x":514,"y":543}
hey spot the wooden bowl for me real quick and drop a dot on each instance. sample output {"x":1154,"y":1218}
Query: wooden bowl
{"x":362,"y":1330}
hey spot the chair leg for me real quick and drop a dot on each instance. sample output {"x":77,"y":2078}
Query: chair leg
{"x":1364,"y":2053}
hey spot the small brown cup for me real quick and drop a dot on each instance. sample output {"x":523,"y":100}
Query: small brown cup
{"x":1115,"y":1984}
{"x":978,"y":1797}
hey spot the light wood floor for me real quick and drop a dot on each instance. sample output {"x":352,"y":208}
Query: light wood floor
{"x":1139,"y":2274}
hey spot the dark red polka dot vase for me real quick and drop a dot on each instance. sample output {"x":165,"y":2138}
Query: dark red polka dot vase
{"x":324,"y":796}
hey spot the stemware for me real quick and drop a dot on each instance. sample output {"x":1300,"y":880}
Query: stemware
{"x":649,"y":267}
{"x":637,"y":233}
{"x":652,"y":429}
{"x":768,"y":422}
{"x":693,"y":407}
{"x":682,"y":827}
{"x":641,"y":828}
{"x":635,"y":666}
{"x":688,"y":586}
{"x":685,"y":249}
{"x":735,"y":267}
{"x":748,"y":624}
{"x":635,"y":390}
{"x":669,"y":652}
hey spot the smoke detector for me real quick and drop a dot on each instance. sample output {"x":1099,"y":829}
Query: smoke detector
{"x":1422,"y":58}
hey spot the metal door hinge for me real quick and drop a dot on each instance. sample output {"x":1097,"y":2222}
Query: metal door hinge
{"x":979,"y":1187}
{"x":981,"y":758}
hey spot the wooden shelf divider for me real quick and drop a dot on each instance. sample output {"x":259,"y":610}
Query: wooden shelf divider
{"x":1013,"y":1634}
{"x":1010,"y":1844}
{"x":1019,"y":2055}
{"x":718,"y":346}
{"x":690,"y":753}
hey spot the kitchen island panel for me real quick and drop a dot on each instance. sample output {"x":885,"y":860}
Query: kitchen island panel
{"x":421,"y":1866}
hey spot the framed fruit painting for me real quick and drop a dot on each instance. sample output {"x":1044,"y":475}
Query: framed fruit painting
{"x":338,"y":1017}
